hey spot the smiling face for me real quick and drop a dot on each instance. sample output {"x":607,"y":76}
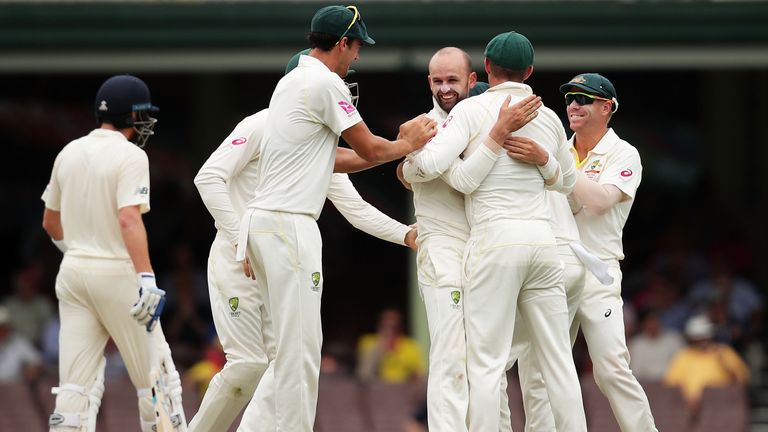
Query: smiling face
{"x":595,"y":114}
{"x":450,"y":77}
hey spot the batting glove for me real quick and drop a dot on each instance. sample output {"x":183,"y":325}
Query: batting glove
{"x":151,"y":301}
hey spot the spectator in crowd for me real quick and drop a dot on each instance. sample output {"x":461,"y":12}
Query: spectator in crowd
{"x":18,"y":358}
{"x":653,"y":348}
{"x":704,"y":363}
{"x":337,"y":359}
{"x":389,"y":355}
{"x":29,"y":309}
{"x":665,"y":297}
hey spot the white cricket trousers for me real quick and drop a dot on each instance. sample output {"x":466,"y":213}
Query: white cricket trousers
{"x":511,"y":265}
{"x":285,"y":250}
{"x":439,"y":260}
{"x":538,"y":412}
{"x":245,"y":331}
{"x":601,"y":318}
{"x":95,"y":297}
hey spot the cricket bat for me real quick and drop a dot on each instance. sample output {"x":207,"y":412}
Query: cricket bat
{"x":159,"y":398}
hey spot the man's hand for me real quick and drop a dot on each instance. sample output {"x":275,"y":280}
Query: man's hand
{"x":247,"y":269}
{"x":526,"y":150}
{"x":410,"y":238}
{"x":512,"y":118}
{"x":418,"y":131}
{"x":151,"y":301}
{"x":401,"y":176}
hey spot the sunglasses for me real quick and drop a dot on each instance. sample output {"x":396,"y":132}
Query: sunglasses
{"x":582,"y":98}
{"x":355,"y":17}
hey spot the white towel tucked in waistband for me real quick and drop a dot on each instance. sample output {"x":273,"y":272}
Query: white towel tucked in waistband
{"x":592,"y":263}
{"x":242,"y":236}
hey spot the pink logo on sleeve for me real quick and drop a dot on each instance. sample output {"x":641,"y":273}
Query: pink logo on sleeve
{"x":627,"y":173}
{"x":347,"y":107}
{"x":238,"y":141}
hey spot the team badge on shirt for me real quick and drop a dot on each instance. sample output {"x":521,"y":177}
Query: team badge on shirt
{"x":594,"y":169}
{"x":347,"y":107}
{"x":316,"y":281}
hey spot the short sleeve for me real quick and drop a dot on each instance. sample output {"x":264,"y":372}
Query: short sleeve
{"x":133,"y":181}
{"x":52,"y":193}
{"x":624,"y":171}
{"x":334,"y":107}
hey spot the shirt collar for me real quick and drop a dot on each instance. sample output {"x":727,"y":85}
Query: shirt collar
{"x":606,"y":143}
{"x":513,"y":88}
{"x":309,"y":61}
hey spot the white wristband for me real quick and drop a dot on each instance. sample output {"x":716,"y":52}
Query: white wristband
{"x":549,"y":169}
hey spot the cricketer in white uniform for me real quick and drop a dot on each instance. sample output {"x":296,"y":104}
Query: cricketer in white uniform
{"x":225,"y":182}
{"x":98,"y":190}
{"x":609,"y":175}
{"x":310,"y":109}
{"x":511,"y":258}
{"x":443,"y":233}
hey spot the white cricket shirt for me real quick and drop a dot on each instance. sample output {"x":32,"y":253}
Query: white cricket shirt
{"x":227,"y":179}
{"x":613,"y":161}
{"x":92,"y":178}
{"x":439,"y":208}
{"x":310,"y":108}
{"x":512,"y":189}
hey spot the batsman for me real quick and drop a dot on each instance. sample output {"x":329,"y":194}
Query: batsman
{"x":94,"y":201}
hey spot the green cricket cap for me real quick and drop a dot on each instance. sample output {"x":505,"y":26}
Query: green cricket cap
{"x":591,"y":83}
{"x":510,"y":50}
{"x":341,"y":21}
{"x":479,"y":88}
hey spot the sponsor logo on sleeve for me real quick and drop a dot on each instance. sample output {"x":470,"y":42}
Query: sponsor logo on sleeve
{"x":142,"y":190}
{"x":239,"y":140}
{"x":626,"y":174}
{"x":447,"y":120}
{"x":347,"y":107}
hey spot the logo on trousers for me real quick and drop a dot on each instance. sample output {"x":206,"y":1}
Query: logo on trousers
{"x":234,"y":303}
{"x":315,"y":281}
{"x":607,"y":313}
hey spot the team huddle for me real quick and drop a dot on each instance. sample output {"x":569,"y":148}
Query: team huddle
{"x":518,"y":237}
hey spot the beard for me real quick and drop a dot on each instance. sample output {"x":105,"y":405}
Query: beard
{"x":447,"y":105}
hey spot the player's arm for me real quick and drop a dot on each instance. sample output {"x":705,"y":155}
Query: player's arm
{"x":52,"y":226}
{"x":135,"y":237}
{"x":233,"y":154}
{"x":413,"y":135}
{"x":362,"y":215}
{"x":529,"y":151}
{"x":617,"y":183}
{"x":347,"y":161}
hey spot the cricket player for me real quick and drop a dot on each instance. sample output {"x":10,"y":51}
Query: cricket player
{"x":225,"y":183}
{"x":511,"y":257}
{"x":98,"y":190}
{"x":443,"y":233}
{"x":310,"y":109}
{"x":609,"y":173}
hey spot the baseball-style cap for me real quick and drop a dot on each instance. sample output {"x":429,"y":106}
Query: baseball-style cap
{"x":591,"y":83}
{"x":341,"y":21}
{"x":123,"y":94}
{"x":510,"y":50}
{"x":479,"y":88}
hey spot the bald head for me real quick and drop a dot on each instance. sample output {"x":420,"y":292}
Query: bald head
{"x":450,"y":76}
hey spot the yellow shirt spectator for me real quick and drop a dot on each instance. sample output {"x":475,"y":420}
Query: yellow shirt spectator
{"x":388,"y":355}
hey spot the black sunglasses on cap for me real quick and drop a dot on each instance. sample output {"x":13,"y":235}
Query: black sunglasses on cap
{"x":587,"y":99}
